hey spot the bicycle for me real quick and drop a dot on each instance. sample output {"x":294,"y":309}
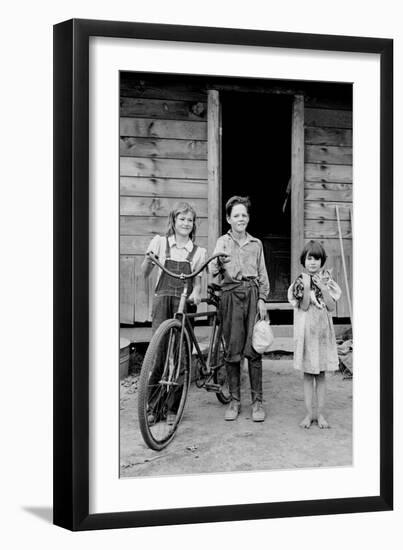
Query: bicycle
{"x":166,"y":371}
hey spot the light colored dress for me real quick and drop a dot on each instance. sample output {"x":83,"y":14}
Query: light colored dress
{"x":315,"y":347}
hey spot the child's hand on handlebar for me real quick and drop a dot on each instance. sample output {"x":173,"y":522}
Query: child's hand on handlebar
{"x":195,"y":297}
{"x":224,"y":258}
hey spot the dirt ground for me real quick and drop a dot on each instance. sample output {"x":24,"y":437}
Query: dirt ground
{"x":206,"y":443}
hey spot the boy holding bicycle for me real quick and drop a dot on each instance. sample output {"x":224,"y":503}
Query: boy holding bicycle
{"x":245,"y":289}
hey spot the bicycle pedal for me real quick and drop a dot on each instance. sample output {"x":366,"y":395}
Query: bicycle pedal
{"x":213,"y":387}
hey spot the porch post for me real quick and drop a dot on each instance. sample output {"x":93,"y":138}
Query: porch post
{"x":214,"y":167}
{"x":297,"y":183}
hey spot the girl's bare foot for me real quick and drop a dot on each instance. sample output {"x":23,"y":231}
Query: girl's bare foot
{"x":306,"y":423}
{"x":322,"y":422}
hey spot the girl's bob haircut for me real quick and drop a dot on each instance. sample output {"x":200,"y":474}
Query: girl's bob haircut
{"x":233,"y":201}
{"x":315,"y":249}
{"x":181,"y":208}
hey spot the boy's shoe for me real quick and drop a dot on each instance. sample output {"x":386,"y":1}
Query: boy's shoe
{"x":232,"y":410}
{"x":258,"y":413}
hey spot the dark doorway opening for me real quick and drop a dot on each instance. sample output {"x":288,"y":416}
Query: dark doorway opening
{"x":256,"y":162}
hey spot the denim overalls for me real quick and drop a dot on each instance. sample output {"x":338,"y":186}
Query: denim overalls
{"x":169,"y":290}
{"x":165,"y":303}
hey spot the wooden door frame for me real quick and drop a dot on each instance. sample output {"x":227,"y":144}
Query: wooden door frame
{"x":213,"y":167}
{"x":297,"y":174}
{"x":297,"y":183}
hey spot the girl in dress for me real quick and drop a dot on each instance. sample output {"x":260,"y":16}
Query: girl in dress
{"x":313,"y":295}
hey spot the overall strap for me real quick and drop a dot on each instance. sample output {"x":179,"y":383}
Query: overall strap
{"x":167,"y":250}
{"x":191,"y":254}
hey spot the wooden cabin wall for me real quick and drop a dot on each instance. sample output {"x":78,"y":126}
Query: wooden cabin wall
{"x":163,"y":160}
{"x":328,"y":182}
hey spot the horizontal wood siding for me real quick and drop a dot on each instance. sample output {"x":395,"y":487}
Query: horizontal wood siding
{"x":320,"y":229}
{"x":153,"y":225}
{"x":163,"y":109}
{"x":157,"y":206}
{"x":319,"y":154}
{"x":169,"y":187}
{"x":168,"y":129}
{"x":328,"y":136}
{"x":127,"y":286}
{"x":326,"y":173}
{"x":163,"y":168}
{"x":163,"y":160}
{"x":328,"y":118}
{"x":131,"y":86}
{"x":326,"y":211}
{"x":338,"y":192}
{"x":163,"y":148}
{"x":328,"y":182}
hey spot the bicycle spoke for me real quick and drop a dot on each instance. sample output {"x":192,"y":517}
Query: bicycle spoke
{"x":164,"y":383}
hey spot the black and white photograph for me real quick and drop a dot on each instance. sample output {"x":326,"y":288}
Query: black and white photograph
{"x":236,"y":274}
{"x":222,"y":224}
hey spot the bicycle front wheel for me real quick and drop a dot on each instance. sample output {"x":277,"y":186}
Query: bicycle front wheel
{"x":164,"y":384}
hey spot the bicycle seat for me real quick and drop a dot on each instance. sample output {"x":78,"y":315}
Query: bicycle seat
{"x":212,"y":287}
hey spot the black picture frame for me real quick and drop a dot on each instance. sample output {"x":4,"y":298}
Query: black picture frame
{"x":71,"y":274}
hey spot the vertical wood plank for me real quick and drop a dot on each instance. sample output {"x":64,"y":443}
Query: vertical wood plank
{"x":127,"y":275}
{"x":140,"y":292}
{"x":213,"y":167}
{"x":297,"y":183}
{"x":152,"y":283}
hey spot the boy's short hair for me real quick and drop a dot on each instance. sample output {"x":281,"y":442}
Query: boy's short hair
{"x":315,"y":249}
{"x":237,"y":200}
{"x":181,"y":208}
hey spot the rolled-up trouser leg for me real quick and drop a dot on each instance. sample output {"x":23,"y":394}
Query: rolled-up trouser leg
{"x":255,"y":379}
{"x":234,"y":379}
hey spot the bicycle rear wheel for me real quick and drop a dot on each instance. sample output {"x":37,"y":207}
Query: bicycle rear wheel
{"x":220,"y":372}
{"x":163,"y":384}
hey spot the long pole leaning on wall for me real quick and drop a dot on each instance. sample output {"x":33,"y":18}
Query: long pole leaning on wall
{"x":343,"y":259}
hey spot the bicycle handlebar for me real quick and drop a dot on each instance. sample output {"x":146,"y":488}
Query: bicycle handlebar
{"x":182,"y":276}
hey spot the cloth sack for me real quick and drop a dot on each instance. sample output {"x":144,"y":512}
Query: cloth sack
{"x":262,"y":337}
{"x":345,"y":353}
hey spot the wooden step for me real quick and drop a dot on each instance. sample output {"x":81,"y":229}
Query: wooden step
{"x":282,"y":334}
{"x":282,"y":342}
{"x":143,"y":334}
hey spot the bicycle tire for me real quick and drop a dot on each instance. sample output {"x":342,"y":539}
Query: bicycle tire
{"x":156,"y":396}
{"x":220,"y":374}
